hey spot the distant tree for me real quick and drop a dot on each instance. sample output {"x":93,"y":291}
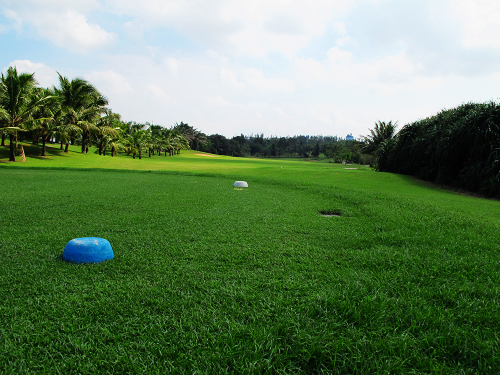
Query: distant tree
{"x":273,"y":150}
{"x":315,"y":152}
{"x":192,"y":135}
{"x":220,"y":144}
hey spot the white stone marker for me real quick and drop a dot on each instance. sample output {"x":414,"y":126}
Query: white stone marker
{"x":240,"y":184}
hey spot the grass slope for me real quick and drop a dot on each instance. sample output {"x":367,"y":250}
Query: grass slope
{"x":209,"y":279}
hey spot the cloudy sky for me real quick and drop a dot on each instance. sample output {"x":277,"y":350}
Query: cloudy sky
{"x":278,"y":67}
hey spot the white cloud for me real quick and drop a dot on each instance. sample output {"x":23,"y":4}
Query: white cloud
{"x":255,"y":78}
{"x":251,"y":28}
{"x":321,"y":115}
{"x":173,"y":65}
{"x":71,"y":30}
{"x":479,"y":20}
{"x":15,"y":18}
{"x":229,"y":76}
{"x":337,"y":56}
{"x":157,"y":93}
{"x":45,"y":76}
{"x":341,"y":69}
{"x":62,"y":22}
{"x":217,"y":101}
{"x":339,"y":27}
{"x":109,"y":82}
{"x":52,"y":5}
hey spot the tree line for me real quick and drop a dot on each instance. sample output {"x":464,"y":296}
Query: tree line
{"x":459,"y":147}
{"x":75,"y":112}
{"x":298,"y":146}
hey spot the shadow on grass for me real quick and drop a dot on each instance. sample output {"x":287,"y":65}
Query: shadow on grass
{"x":34,"y":152}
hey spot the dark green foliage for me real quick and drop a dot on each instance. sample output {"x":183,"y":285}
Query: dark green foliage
{"x":458,"y":147}
{"x":379,"y":135}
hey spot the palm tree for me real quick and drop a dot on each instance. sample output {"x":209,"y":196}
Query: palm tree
{"x":135,"y":142}
{"x":66,"y":132}
{"x":378,"y":135}
{"x":180,"y":143}
{"x":105,"y":130}
{"x":15,"y":100}
{"x":82,"y":105}
{"x":46,"y":116}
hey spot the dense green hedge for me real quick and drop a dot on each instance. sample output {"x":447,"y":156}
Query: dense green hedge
{"x":458,"y":147}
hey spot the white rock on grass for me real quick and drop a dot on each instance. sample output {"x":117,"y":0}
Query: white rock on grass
{"x":240,"y":184}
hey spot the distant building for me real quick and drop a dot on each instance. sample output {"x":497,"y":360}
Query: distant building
{"x":349,"y":137}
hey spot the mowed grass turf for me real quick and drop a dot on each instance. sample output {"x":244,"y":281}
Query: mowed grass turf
{"x":210,"y":279}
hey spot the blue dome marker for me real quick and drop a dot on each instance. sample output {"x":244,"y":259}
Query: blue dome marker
{"x":87,"y":250}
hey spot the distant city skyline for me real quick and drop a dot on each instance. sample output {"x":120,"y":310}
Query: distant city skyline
{"x":326,"y":67}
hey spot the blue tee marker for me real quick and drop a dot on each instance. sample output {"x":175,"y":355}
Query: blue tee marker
{"x":87,"y":250}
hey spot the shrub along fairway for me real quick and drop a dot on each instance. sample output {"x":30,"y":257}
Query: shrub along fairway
{"x":210,"y":279}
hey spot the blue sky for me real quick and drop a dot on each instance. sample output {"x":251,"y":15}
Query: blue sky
{"x":279,"y":67}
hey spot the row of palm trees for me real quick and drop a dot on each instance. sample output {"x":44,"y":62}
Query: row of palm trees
{"x":74,"y":111}
{"x":134,"y":138}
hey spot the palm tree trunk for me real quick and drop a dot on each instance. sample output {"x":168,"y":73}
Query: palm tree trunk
{"x":44,"y":146}
{"x":140,"y":153}
{"x":3,"y":139}
{"x":84,"y":141}
{"x":66,"y":149}
{"x":61,"y":145}
{"x":12,"y":156}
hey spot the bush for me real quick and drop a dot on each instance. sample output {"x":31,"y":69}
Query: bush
{"x":458,"y":147}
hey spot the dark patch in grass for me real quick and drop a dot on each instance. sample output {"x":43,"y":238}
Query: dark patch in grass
{"x":330,"y":213}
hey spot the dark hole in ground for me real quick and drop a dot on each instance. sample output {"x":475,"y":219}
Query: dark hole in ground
{"x":330,"y":213}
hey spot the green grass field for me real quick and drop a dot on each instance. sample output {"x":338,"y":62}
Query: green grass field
{"x":211,"y":279}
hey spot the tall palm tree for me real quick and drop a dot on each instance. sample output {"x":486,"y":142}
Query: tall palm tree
{"x":82,"y":105}
{"x":381,"y":133}
{"x":180,"y":143}
{"x":134,"y":143}
{"x":66,"y":132}
{"x":46,"y":116}
{"x":15,"y":100}
{"x":105,"y":130}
